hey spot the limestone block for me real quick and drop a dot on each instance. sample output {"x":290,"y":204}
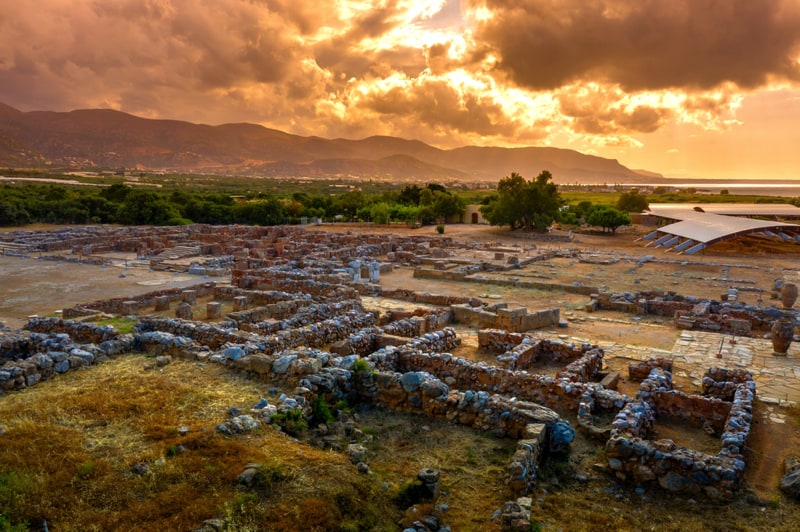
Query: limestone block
{"x":239,"y":303}
{"x":130,"y":308}
{"x":184,"y":311}
{"x":162,"y":303}
{"x":189,"y":296}
{"x":213,"y":310}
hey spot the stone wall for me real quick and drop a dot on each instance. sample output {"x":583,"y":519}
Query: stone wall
{"x":635,"y":458}
{"x":46,"y":355}
{"x":690,"y":312}
{"x":319,"y":334}
{"x":83,"y":332}
{"x":560,"y":393}
{"x":117,"y":305}
{"x":516,"y":320}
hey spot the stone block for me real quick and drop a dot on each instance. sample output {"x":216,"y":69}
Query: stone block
{"x":189,"y":296}
{"x":184,"y":311}
{"x":130,"y":308}
{"x":162,"y":303}
{"x":213,"y":310}
{"x":239,"y":303}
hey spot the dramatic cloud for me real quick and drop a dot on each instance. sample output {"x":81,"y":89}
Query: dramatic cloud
{"x":641,"y":44}
{"x":602,"y":76}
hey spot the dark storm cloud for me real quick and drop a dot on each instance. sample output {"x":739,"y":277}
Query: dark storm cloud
{"x":173,"y":58}
{"x":642,"y":44}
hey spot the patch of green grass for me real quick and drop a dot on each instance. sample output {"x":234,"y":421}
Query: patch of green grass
{"x":291,"y":421}
{"x":122,"y":324}
{"x":362,"y":365}
{"x":85,"y":470}
{"x":7,"y":526}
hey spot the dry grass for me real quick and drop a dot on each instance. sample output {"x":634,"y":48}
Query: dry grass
{"x":472,"y":464}
{"x":70,"y":444}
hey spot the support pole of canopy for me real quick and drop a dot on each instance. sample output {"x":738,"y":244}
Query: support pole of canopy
{"x":695,"y":249}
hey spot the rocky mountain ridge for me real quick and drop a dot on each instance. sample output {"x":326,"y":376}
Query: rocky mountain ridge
{"x":106,"y":138}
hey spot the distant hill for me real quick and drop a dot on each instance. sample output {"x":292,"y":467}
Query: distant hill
{"x":112,"y":139}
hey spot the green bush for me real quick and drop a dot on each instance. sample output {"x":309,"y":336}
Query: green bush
{"x":322,"y":411}
{"x":291,"y":421}
{"x":440,"y":228}
{"x":362,"y":365}
{"x":6,"y":526}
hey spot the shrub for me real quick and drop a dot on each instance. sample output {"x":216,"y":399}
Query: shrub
{"x":343,"y":406}
{"x":440,"y":228}
{"x":322,"y":411}
{"x":267,"y":475}
{"x":291,"y":421}
{"x":362,"y":365}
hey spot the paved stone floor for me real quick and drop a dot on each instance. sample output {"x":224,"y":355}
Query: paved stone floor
{"x":777,"y":377}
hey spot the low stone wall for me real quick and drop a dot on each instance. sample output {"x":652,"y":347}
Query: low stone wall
{"x":559,"y":393}
{"x":723,"y":382}
{"x":521,"y":472}
{"x":268,"y":297}
{"x":46,"y":355}
{"x":418,"y":325}
{"x":14,"y":344}
{"x":522,"y":351}
{"x":148,"y":300}
{"x":690,"y":312}
{"x":274,"y":311}
{"x":516,"y":320}
{"x":633,"y":457}
{"x":319,"y":334}
{"x":639,"y":371}
{"x":304,"y":315}
{"x":84,"y":332}
{"x":420,"y":392}
{"x":426,"y":297}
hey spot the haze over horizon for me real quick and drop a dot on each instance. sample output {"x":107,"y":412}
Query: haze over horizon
{"x":688,"y":88}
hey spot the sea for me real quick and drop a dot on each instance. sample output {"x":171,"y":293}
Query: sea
{"x":785,"y":189}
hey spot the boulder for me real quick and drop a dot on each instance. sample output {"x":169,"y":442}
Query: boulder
{"x":790,"y":482}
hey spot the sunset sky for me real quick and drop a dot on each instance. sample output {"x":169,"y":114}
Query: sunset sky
{"x":688,"y":88}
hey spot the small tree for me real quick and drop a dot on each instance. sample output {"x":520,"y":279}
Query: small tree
{"x":524,"y":204}
{"x":380,"y":213}
{"x":632,"y":201}
{"x":607,"y":218}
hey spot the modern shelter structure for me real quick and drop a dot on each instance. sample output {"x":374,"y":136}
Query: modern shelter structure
{"x":694,"y":227}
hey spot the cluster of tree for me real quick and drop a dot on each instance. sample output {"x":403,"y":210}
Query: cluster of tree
{"x":414,"y":205}
{"x":524,"y":204}
{"x":122,"y":204}
{"x":536,"y":204}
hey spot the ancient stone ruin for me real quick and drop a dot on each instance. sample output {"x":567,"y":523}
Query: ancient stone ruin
{"x":294,"y":312}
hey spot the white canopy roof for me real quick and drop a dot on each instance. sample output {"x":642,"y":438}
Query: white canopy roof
{"x":709,"y":228}
{"x":681,"y":211}
{"x":700,"y":225}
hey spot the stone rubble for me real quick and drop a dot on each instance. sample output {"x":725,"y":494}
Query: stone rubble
{"x":298,"y":318}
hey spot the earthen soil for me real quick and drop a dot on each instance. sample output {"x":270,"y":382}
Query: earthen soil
{"x":30,"y":286}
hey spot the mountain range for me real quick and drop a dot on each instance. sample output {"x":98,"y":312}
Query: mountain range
{"x":102,"y":138}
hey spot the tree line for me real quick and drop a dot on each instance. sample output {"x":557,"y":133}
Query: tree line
{"x":123,"y":204}
{"x":522,"y":204}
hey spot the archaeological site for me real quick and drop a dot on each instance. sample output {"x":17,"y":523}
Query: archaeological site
{"x":620,"y":384}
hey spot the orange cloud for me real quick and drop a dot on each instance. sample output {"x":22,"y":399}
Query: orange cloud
{"x":603,"y":75}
